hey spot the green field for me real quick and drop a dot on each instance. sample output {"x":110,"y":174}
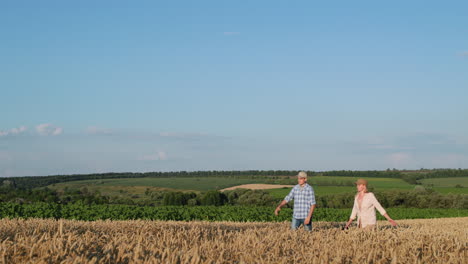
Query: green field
{"x":322,"y":185}
{"x":445,"y":182}
{"x":376,"y":183}
{"x":194,"y":184}
{"x":139,"y":185}
{"x":447,"y":185}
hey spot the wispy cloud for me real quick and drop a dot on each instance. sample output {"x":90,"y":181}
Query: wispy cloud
{"x":13,"y":131}
{"x":94,"y":130}
{"x":48,"y":130}
{"x":159,"y":155}
{"x":231,"y":33}
{"x":464,"y":53}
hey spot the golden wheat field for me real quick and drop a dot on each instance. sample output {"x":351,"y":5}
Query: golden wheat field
{"x":67,"y":241}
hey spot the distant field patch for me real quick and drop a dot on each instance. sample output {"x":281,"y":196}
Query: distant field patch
{"x":376,"y":183}
{"x":445,"y":182}
{"x":195,"y":184}
{"x":323,"y":185}
{"x":257,"y":186}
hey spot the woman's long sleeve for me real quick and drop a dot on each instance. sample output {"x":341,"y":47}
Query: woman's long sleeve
{"x":377,"y":205}
{"x":354,"y":212}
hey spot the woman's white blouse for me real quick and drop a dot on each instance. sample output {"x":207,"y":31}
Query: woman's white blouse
{"x":366,"y":214}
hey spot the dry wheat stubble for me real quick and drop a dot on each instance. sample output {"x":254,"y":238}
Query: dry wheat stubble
{"x":68,"y":241}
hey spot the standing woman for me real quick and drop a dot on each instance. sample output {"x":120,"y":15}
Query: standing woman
{"x":364,"y":207}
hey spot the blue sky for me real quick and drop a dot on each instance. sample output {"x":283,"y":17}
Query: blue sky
{"x":117,"y":86}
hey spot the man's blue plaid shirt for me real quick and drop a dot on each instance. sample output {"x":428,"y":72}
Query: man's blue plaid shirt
{"x":304,"y":198}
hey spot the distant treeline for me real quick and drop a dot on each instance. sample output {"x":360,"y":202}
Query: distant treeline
{"x":412,"y":177}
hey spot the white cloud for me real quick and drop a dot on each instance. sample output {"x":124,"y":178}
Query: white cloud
{"x":160,"y":155}
{"x":57,"y":131}
{"x":231,"y":33}
{"x":464,"y":53}
{"x":97,"y":130}
{"x":13,"y":131}
{"x":48,"y":129}
{"x":18,"y":130}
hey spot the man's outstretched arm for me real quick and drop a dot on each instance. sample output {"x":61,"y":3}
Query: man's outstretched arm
{"x":278,"y":208}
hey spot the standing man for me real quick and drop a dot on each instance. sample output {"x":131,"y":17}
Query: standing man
{"x":304,"y":203}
